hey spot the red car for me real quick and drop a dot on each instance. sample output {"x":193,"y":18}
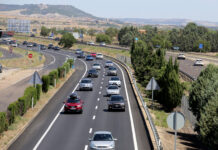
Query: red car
{"x":73,"y":104}
{"x":93,"y":54}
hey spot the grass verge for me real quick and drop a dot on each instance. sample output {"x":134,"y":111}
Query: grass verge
{"x":22,"y":122}
{"x":23,"y":62}
{"x":1,"y":54}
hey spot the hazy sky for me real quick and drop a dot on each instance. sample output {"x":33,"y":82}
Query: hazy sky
{"x":182,"y":9}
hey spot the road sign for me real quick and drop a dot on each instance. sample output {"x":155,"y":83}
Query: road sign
{"x":30,"y":55}
{"x":201,"y":46}
{"x":136,"y":39}
{"x":176,"y":121}
{"x":152,"y":85}
{"x":35,"y":79}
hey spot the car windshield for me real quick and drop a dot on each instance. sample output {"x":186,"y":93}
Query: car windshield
{"x":93,"y":71}
{"x":96,"y":65}
{"x":102,"y":137}
{"x":70,"y":100}
{"x":112,"y":68}
{"x":99,"y":54}
{"x":86,"y":81}
{"x":117,"y":98}
{"x":113,"y":87}
{"x":115,"y":78}
{"x":109,"y":62}
{"x":89,"y":56}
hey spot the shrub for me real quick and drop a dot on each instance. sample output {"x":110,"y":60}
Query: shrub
{"x":53,"y":75}
{"x":66,"y":65}
{"x":3,"y":122}
{"x":71,"y":62}
{"x":13,"y":109}
{"x":22,"y":105}
{"x":38,"y":91}
{"x":61,"y":71}
{"x":46,"y":83}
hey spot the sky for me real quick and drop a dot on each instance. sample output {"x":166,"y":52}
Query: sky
{"x":204,"y":10}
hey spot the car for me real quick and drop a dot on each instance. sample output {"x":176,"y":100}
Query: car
{"x":32,"y":35}
{"x":25,"y":42}
{"x":109,"y":64}
{"x":50,"y":37}
{"x":96,"y":66}
{"x":116,"y":102}
{"x":13,"y":43}
{"x":199,"y":62}
{"x":50,"y":46}
{"x":89,"y":58}
{"x":93,"y":73}
{"x":56,"y":48}
{"x":112,"y":71}
{"x":73,"y":104}
{"x":102,"y":44}
{"x":93,"y":54}
{"x":35,"y":44}
{"x":181,"y":56}
{"x":30,"y":45}
{"x":42,"y":47}
{"x":86,"y":84}
{"x":90,"y":43}
{"x":113,"y":90}
{"x":57,"y":39}
{"x":81,"y":55}
{"x":114,"y":81}
{"x":0,"y":68}
{"x":78,"y":51}
{"x":99,"y":56}
{"x":102,"y":140}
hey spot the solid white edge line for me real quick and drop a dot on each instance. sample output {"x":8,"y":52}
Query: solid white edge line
{"x":58,"y":114}
{"x":130,"y":112}
{"x":86,"y":147}
{"x":90,"y":130}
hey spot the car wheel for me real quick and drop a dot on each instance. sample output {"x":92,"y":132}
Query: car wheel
{"x":109,"y":109}
{"x":124,"y":109}
{"x":81,"y":111}
{"x":91,"y":89}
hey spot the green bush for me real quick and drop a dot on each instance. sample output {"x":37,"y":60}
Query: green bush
{"x":53,"y":75}
{"x":71,"y":62}
{"x":66,"y":65}
{"x":38,"y":91}
{"x":103,"y":38}
{"x":46,"y":83}
{"x":30,"y":93}
{"x":61,"y":71}
{"x":3,"y":122}
{"x":13,"y":110}
{"x":22,"y":105}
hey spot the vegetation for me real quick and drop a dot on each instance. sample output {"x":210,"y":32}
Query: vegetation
{"x":111,"y":32}
{"x":44,"y":31}
{"x":103,"y":38}
{"x":91,"y":32}
{"x":67,"y":40}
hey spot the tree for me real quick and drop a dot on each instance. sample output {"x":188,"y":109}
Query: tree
{"x":44,"y":31}
{"x":112,"y":32}
{"x":208,"y":123}
{"x":171,"y":91}
{"x":91,"y":32}
{"x":67,"y":40}
{"x":205,"y":87}
{"x":127,"y":39}
{"x":103,"y":38}
{"x":54,"y":31}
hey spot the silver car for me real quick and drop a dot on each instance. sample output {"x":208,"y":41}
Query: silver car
{"x":99,"y":56}
{"x":109,"y":64}
{"x":102,"y":140}
{"x":96,"y":66}
{"x":181,"y":56}
{"x":86,"y":84}
{"x":112,"y":90}
{"x":115,"y":81}
{"x":199,"y":62}
{"x":112,"y":71}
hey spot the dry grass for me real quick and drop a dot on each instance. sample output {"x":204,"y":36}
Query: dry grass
{"x":1,"y":54}
{"x":22,"y":122}
{"x":23,"y":62}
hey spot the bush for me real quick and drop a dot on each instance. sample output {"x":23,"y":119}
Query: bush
{"x":22,"y":105}
{"x":103,"y":38}
{"x":67,"y":40}
{"x":3,"y":122}
{"x":71,"y":62}
{"x":67,"y":66}
{"x":61,"y":71}
{"x":13,"y":110}
{"x":46,"y":83}
{"x":38,"y":91}
{"x":53,"y":75}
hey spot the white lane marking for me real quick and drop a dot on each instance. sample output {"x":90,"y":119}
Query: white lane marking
{"x":130,"y":111}
{"x":100,"y":87}
{"x":99,"y":92}
{"x":86,"y":147}
{"x":98,"y":99}
{"x":96,"y":107}
{"x":103,"y":75}
{"x":58,"y":114}
{"x":93,"y":118}
{"x":102,"y":78}
{"x":102,"y":82}
{"x":90,"y":130}
{"x":53,"y":61}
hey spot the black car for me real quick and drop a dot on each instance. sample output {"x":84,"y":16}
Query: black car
{"x":93,"y":73}
{"x":35,"y":44}
{"x":116,"y":102}
{"x":57,"y":39}
{"x":81,"y":55}
{"x":42,"y":47}
{"x":32,"y":35}
{"x":25,"y":42}
{"x":56,"y":48}
{"x":50,"y":46}
{"x":0,"y":68}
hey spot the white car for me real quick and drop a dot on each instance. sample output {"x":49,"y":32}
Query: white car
{"x":112,"y":71}
{"x":96,"y":66}
{"x":199,"y":62}
{"x":181,"y":56}
{"x":113,"y":90}
{"x":102,"y":140}
{"x":90,"y":43}
{"x":99,"y":56}
{"x":115,"y":81}
{"x":102,"y":44}
{"x":109,"y":64}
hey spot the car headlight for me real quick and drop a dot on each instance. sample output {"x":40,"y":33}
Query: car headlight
{"x":79,"y":105}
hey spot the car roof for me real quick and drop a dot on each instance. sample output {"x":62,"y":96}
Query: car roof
{"x":102,"y":132}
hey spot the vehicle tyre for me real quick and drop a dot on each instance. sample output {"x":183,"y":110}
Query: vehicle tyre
{"x":91,"y":89}
{"x":109,"y":109}
{"x":81,"y":111}
{"x":124,"y":110}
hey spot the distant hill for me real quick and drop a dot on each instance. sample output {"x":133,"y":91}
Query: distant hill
{"x":176,"y":22}
{"x":30,"y":9}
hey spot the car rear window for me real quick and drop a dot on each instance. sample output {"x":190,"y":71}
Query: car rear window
{"x":70,"y":100}
{"x":102,"y":137}
{"x":115,"y":78}
{"x":117,"y":98}
{"x":112,"y":87}
{"x":86,"y":81}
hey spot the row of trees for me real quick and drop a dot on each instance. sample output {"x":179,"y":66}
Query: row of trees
{"x":148,"y":63}
{"x":203,"y":102}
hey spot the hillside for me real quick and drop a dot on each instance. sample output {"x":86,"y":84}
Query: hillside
{"x":30,"y":9}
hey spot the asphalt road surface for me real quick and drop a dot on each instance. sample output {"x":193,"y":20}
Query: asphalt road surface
{"x":52,"y":129}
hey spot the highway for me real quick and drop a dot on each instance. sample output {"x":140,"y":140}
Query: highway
{"x":52,"y":129}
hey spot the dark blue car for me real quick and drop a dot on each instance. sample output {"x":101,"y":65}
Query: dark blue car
{"x":89,"y":58}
